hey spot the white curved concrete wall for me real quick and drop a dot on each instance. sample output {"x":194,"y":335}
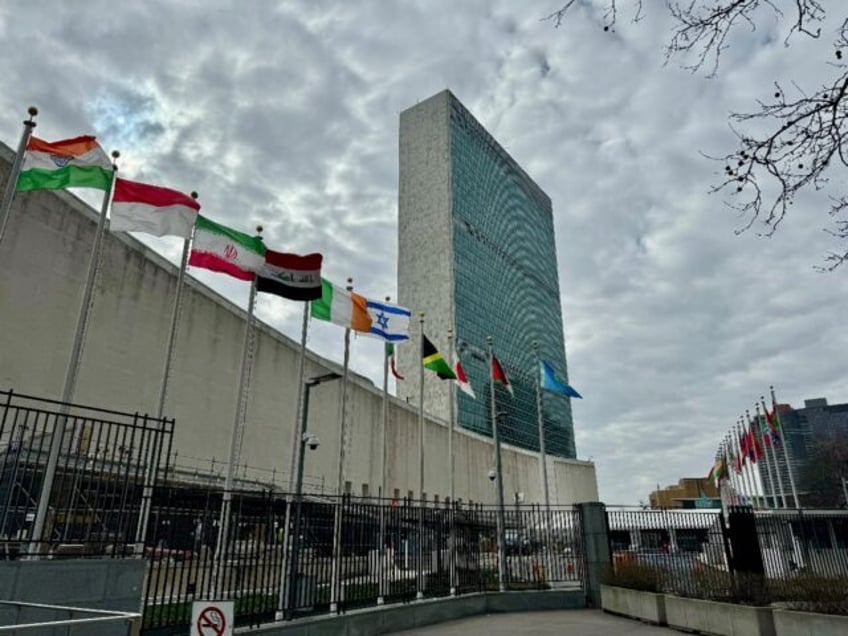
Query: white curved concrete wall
{"x":43,"y":262}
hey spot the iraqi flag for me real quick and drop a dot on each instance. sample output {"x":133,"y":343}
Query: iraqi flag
{"x":291,"y":275}
{"x":140,"y":207}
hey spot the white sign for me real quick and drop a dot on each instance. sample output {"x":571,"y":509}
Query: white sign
{"x":212,"y":618}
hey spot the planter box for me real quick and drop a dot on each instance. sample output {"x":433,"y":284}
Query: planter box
{"x":794,"y":623}
{"x":646,"y":606}
{"x":721,"y":619}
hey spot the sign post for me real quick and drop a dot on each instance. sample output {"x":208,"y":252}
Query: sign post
{"x":212,"y":618}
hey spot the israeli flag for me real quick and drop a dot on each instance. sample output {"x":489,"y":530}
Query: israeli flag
{"x":550,"y":381}
{"x":388,"y":322}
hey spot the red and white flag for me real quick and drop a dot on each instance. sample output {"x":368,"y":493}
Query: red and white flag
{"x":462,"y":379}
{"x":139,"y":207}
{"x":499,"y":375}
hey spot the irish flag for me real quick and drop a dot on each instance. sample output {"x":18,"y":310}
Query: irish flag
{"x":71,"y":163}
{"x":342,"y":308}
{"x":225,"y":250}
{"x":139,"y":207}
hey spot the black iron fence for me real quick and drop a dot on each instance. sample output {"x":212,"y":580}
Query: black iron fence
{"x":744,"y":556}
{"x":103,"y":460}
{"x":281,"y":559}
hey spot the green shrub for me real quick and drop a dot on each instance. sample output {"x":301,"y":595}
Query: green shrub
{"x":812,"y":593}
{"x":636,"y":576}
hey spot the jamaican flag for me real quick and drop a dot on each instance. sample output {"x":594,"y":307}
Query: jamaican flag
{"x":433,"y":360}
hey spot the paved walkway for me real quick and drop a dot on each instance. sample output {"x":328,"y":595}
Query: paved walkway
{"x":571,"y":622}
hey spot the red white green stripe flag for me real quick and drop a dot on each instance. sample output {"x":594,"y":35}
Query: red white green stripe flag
{"x":498,"y":375}
{"x":71,"y":163}
{"x":225,"y":250}
{"x":139,"y":207}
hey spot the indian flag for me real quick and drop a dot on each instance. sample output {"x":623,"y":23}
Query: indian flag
{"x":342,"y":308}
{"x":71,"y":163}
{"x":225,"y":250}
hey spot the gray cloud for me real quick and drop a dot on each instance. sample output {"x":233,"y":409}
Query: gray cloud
{"x":287,"y":116}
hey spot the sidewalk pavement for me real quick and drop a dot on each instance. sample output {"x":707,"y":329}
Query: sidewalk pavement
{"x":571,"y":622}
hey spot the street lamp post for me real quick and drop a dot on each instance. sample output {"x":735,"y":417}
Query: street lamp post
{"x":304,"y":439}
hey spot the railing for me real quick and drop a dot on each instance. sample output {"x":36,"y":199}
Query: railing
{"x":105,"y":459}
{"x":789,"y":556}
{"x":36,"y":618}
{"x":390,"y":551}
{"x":682,"y":546}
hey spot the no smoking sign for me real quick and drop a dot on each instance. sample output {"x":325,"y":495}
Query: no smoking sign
{"x":212,"y":618}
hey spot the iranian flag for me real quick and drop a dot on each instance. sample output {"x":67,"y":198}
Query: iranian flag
{"x":225,"y":250}
{"x":71,"y":163}
{"x":139,"y":207}
{"x":291,"y":275}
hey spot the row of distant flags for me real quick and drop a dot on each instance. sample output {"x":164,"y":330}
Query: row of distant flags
{"x":161,"y":211}
{"x":752,"y":440}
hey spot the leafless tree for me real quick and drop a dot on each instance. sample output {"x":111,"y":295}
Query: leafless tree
{"x":789,"y":143}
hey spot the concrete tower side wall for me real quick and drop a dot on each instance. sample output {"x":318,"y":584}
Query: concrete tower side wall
{"x":43,"y":262}
{"x":425,"y":276}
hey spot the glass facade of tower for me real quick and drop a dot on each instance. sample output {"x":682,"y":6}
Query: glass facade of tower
{"x":506,"y":286}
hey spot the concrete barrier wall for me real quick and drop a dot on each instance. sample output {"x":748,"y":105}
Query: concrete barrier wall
{"x":106,"y":584}
{"x":388,"y":620}
{"x":43,"y":264}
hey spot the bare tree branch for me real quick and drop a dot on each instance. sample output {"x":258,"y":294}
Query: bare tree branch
{"x":610,"y":16}
{"x":806,"y":134}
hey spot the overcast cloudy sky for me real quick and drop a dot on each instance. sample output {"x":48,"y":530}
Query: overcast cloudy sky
{"x":286,"y":114}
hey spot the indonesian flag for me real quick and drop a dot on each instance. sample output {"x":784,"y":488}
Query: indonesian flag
{"x":498,"y":375}
{"x":291,"y":275}
{"x":139,"y":207}
{"x":461,"y":378}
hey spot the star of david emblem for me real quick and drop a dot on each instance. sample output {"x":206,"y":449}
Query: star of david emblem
{"x":383,"y":321}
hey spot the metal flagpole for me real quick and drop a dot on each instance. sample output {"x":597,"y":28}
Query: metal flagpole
{"x":543,"y":457}
{"x":73,"y":367}
{"x":12,"y":182}
{"x":150,"y":478}
{"x":293,"y":465}
{"x":753,"y":472}
{"x":335,"y":583}
{"x":238,"y":424}
{"x":746,"y":483}
{"x":543,"y":460}
{"x":769,"y":470}
{"x":496,"y":442}
{"x":774,"y":459}
{"x":733,"y":477}
{"x":419,"y":594}
{"x":785,"y":443}
{"x":752,"y":468}
{"x":452,"y":479}
{"x":383,"y":584}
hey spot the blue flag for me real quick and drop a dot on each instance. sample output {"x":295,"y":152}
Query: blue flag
{"x":550,"y":381}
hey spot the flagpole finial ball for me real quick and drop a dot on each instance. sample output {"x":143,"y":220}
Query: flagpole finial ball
{"x":489,"y":339}
{"x":421,"y":314}
{"x":115,"y":154}
{"x":388,"y":298}
{"x":535,"y":344}
{"x":32,"y":111}
{"x":194,"y":194}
